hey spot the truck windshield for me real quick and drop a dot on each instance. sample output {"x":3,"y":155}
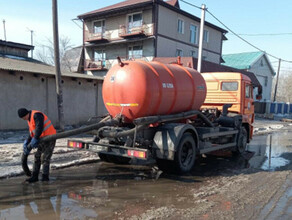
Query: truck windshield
{"x":229,"y":86}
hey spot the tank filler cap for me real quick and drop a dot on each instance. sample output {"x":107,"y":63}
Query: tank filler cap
{"x":120,"y":62}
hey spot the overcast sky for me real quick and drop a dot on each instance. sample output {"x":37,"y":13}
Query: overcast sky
{"x":269,"y":20}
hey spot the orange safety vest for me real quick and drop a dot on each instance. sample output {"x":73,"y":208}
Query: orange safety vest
{"x":48,"y":127}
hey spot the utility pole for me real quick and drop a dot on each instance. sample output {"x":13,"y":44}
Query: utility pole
{"x":276,"y":86}
{"x":4,"y":28}
{"x":57,"y":66}
{"x":31,"y":40}
{"x":199,"y":65}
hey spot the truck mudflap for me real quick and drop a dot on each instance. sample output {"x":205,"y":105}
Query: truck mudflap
{"x":111,"y":149}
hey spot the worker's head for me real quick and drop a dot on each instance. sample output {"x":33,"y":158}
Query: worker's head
{"x":23,"y":113}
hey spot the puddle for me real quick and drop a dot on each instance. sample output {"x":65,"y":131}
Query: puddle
{"x":93,"y":192}
{"x":272,"y":152}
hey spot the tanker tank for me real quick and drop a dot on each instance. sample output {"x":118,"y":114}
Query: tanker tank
{"x":138,"y":88}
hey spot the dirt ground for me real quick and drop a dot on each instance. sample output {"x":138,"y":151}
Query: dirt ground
{"x":256,"y":186}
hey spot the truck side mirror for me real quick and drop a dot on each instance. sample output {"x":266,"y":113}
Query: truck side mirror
{"x":258,"y":97}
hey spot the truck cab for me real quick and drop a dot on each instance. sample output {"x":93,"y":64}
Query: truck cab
{"x":231,"y":88}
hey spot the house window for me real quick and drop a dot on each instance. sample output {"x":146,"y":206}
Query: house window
{"x":134,"y":20}
{"x":135,"y":52}
{"x":193,"y":34}
{"x":179,"y":53}
{"x":262,"y":63}
{"x":99,"y":55}
{"x":206,"y":36}
{"x":193,"y":53}
{"x":98,"y":26}
{"x":180,"y":26}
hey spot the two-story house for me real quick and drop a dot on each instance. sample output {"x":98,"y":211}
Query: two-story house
{"x":144,"y":29}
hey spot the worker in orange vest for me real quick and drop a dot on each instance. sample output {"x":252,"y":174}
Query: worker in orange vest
{"x":39,"y":126}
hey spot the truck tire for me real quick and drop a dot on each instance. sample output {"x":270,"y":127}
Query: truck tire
{"x":242,"y":141}
{"x":185,"y":154}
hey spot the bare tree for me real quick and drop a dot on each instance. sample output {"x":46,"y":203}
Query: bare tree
{"x":46,"y":53}
{"x":284,"y":93}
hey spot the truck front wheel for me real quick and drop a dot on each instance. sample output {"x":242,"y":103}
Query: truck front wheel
{"x":242,"y":141}
{"x":185,"y":154}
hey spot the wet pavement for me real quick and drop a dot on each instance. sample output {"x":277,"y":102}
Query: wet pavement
{"x":109,"y":191}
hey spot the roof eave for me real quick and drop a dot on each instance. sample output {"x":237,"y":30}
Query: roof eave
{"x":128,"y":7}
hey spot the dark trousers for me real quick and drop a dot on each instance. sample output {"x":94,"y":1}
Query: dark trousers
{"x":43,"y":156}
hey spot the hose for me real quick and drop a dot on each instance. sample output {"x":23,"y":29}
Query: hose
{"x":118,"y":134}
{"x":80,"y":130}
{"x":24,"y":164}
{"x":102,"y":123}
{"x":145,"y":121}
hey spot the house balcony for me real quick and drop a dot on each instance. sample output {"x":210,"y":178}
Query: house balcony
{"x":143,"y":30}
{"x":102,"y":36}
{"x":96,"y":65}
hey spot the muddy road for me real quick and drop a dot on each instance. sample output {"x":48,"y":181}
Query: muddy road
{"x":256,"y":186}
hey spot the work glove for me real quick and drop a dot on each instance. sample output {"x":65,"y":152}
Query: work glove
{"x":26,"y":148}
{"x":34,"y":143}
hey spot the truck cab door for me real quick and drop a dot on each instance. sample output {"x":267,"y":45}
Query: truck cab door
{"x":248,"y":103}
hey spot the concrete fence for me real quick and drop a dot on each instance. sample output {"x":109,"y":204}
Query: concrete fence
{"x":274,"y":108}
{"x":82,"y":97}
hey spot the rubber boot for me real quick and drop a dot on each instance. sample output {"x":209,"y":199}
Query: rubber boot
{"x":34,"y":178}
{"x":45,"y":177}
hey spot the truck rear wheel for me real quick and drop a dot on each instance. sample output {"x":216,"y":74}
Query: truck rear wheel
{"x":185,"y":154}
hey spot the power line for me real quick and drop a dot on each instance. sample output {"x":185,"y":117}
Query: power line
{"x":244,"y":39}
{"x":271,"y":34}
{"x":191,"y":4}
{"x":237,"y":35}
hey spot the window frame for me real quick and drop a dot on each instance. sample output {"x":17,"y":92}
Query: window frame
{"x":177,"y":54}
{"x":102,"y":26}
{"x":206,"y":37}
{"x":103,"y":54}
{"x":195,"y":35}
{"x":132,"y":15}
{"x":249,"y":91}
{"x":182,"y":29}
{"x":193,"y":53}
{"x":229,"y":82}
{"x":131,"y":54}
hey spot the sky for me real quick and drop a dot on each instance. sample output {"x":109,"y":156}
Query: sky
{"x":266,"y":24}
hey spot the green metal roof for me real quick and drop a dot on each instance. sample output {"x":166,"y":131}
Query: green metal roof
{"x":241,"y":60}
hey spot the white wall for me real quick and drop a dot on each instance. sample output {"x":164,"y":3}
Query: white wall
{"x":265,"y":76}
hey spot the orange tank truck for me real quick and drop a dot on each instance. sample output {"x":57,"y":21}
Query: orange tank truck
{"x":169,"y":115}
